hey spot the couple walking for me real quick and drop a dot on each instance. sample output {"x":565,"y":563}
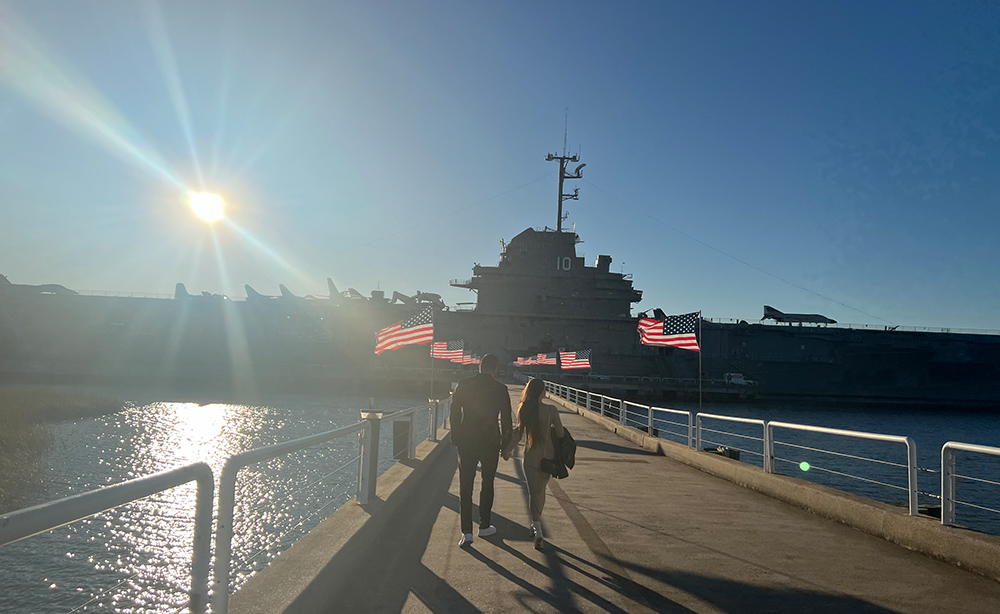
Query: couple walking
{"x":481,"y":429}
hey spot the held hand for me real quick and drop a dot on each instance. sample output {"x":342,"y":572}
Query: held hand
{"x":506,"y":455}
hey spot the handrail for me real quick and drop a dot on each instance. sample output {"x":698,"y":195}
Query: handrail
{"x":227,"y":494}
{"x":911,"y":450}
{"x":768,"y":463}
{"x":30,"y":521}
{"x":695,"y":439}
{"x":948,"y":475}
{"x":690,"y":416}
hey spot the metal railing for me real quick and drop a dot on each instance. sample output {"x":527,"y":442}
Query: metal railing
{"x":948,"y":475}
{"x":367,"y":471}
{"x":699,"y":429}
{"x":30,"y":521}
{"x":911,"y":453}
{"x":368,"y":458}
{"x":646,"y":419}
{"x":690,"y":424}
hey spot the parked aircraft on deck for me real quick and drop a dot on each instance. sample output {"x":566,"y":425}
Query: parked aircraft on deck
{"x":770,"y":313}
{"x":180,"y":292}
{"x":253,"y":295}
{"x":7,"y":286}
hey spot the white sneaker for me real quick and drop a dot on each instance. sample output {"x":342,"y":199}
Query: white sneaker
{"x":466,"y":540}
{"x":490,"y":530}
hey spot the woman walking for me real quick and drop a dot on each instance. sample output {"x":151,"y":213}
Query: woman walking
{"x":537,"y":423}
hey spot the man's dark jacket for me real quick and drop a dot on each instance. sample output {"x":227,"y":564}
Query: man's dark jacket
{"x":565,"y":455}
{"x":480,"y":413}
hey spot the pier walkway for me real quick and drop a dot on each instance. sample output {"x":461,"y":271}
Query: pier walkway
{"x":631,"y":531}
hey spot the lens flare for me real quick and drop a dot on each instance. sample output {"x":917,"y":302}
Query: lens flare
{"x":804,"y":466}
{"x":208,"y":207}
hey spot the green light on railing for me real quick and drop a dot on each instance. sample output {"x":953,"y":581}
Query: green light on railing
{"x":804,"y":466}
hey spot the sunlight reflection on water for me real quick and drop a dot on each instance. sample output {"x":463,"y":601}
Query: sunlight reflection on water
{"x":137,"y":558}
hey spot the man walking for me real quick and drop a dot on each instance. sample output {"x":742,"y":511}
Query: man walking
{"x":480,"y":427}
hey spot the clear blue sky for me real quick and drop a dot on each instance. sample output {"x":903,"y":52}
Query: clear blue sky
{"x":835,"y":157}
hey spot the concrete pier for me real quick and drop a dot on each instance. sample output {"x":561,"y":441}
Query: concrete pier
{"x":629,"y":531}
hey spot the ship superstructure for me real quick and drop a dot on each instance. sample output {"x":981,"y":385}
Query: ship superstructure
{"x":539,"y":274}
{"x":541,"y":296}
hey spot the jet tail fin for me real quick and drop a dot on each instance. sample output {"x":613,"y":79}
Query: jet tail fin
{"x":332,"y":287}
{"x":285,"y":292}
{"x":180,"y":292}
{"x":251,"y":293}
{"x":770,"y":313}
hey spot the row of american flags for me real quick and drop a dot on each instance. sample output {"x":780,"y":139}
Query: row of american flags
{"x":573,"y":359}
{"x":675,"y":331}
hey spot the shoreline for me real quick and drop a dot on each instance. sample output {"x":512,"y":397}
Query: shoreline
{"x":37,"y":406}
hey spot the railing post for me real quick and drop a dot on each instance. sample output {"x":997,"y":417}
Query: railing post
{"x":622,"y":411}
{"x":368,"y":475}
{"x":768,"y":448}
{"x":588,"y":400}
{"x":697,"y":431}
{"x":412,"y":440}
{"x":224,"y":538}
{"x":434,"y":419}
{"x":201,"y":558}
{"x":947,"y":486}
{"x":650,"y":419}
{"x":602,"y":404}
{"x":691,"y":430}
{"x":912,"y":480}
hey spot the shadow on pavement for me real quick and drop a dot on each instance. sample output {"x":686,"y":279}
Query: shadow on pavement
{"x":738,"y":597}
{"x":603,"y":446}
{"x":392,"y":569}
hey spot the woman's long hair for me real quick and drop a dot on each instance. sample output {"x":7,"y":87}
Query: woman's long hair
{"x":527,"y":411}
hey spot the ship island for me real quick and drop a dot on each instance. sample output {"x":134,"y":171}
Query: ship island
{"x":539,"y":298}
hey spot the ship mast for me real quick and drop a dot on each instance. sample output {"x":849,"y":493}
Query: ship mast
{"x":564,"y":175}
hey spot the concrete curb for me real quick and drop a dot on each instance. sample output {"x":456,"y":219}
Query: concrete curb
{"x":969,"y":550}
{"x":306,"y":576}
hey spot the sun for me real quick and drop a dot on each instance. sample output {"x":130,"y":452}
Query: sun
{"x":208,"y":207}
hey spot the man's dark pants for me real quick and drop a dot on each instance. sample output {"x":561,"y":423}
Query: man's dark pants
{"x":468,"y":458}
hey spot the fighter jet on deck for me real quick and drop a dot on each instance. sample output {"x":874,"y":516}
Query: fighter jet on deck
{"x":7,"y":286}
{"x":770,"y":313}
{"x":253,"y":295}
{"x":429,"y":297}
{"x":181,"y":293}
{"x":287,"y":295}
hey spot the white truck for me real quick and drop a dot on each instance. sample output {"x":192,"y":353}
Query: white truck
{"x":737,"y":379}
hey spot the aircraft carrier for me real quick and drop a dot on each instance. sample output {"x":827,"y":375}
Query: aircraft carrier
{"x":540,"y":297}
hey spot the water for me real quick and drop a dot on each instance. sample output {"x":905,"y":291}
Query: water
{"x":136,"y":558}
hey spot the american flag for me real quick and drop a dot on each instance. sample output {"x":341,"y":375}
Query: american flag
{"x":677,"y":331}
{"x":469,"y":359}
{"x":447,"y":350}
{"x":548,"y":359}
{"x":415,"y":330}
{"x":575,"y":360}
{"x":531,"y":360}
{"x":520,"y":361}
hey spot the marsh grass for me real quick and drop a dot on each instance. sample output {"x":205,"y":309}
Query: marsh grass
{"x":24,"y":436}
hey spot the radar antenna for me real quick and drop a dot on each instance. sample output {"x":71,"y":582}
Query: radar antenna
{"x":564,"y":175}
